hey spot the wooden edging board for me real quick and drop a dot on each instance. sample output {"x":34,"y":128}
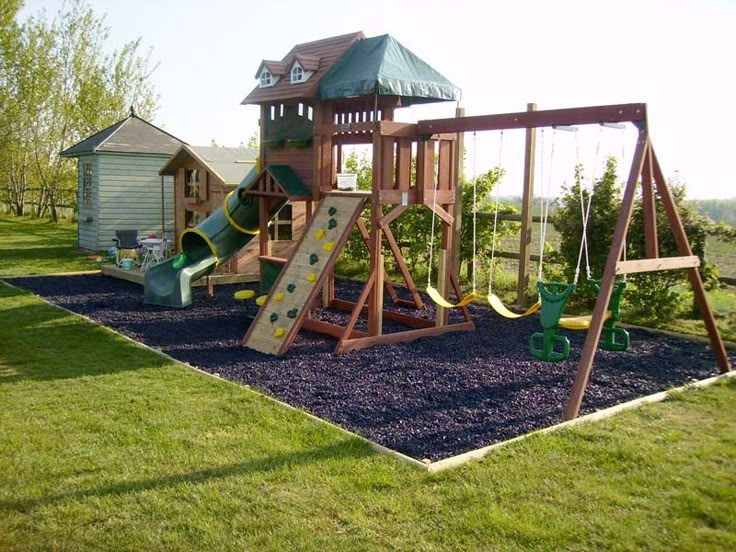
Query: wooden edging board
{"x":430,"y":467}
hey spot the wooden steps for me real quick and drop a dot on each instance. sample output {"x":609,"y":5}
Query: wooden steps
{"x":279,"y":319}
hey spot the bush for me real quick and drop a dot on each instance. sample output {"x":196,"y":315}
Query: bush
{"x":649,"y":295}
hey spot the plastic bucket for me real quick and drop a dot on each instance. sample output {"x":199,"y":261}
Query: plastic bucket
{"x":127,"y":263}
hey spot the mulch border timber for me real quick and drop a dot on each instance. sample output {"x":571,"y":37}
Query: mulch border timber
{"x":452,"y":461}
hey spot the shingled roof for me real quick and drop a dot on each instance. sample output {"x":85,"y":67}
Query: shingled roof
{"x":321,"y":54}
{"x":230,"y":165}
{"x":131,"y":135}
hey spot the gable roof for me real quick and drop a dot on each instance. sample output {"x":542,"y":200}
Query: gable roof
{"x":229,"y":165}
{"x":382,"y":65}
{"x":321,"y":54}
{"x":131,"y":135}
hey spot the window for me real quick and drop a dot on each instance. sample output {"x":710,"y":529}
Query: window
{"x":297,"y":73}
{"x":191,"y":183}
{"x":266,"y":79}
{"x":280,"y":229}
{"x":87,"y":184}
{"x":191,"y":218}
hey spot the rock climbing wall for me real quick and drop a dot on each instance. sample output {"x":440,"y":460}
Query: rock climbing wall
{"x":281,"y":316}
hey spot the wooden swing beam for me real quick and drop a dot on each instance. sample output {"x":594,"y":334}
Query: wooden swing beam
{"x":645,"y":165}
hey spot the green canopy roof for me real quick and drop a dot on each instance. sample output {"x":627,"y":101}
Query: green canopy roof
{"x":381,"y":65}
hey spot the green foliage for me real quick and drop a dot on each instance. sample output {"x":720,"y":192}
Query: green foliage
{"x":413,"y":229}
{"x":659,"y":294}
{"x":649,"y":295}
{"x":719,"y":210}
{"x":58,"y":87}
{"x":568,"y":220}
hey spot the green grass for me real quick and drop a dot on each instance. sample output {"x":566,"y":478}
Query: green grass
{"x":107,"y":446}
{"x":723,"y":254}
{"x":35,"y":246}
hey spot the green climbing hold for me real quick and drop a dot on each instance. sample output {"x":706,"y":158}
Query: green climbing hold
{"x":332,"y":210}
{"x":290,"y":288}
{"x":313,"y":258}
{"x":274,"y":317}
{"x":180,"y":261}
{"x":331,"y":223}
{"x":292,"y":313}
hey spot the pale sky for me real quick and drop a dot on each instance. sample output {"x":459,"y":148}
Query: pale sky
{"x":677,"y":56}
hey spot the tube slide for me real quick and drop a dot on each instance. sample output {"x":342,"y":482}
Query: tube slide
{"x":204,"y":248}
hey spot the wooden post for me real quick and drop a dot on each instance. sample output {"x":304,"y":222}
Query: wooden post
{"x":678,"y":232}
{"x":609,"y":274}
{"x":457,"y":181}
{"x":649,"y":209}
{"x":375,"y":299}
{"x":527,"y":205}
{"x":163,"y":208}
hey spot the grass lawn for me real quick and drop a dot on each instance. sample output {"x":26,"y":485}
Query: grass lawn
{"x":34,"y":246}
{"x":108,"y":446}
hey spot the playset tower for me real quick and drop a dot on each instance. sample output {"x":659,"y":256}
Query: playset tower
{"x":323,"y":96}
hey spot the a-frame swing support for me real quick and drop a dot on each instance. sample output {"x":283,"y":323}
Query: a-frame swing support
{"x":644,"y":164}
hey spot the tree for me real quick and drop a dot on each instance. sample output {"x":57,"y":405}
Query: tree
{"x":568,"y":221}
{"x":650,"y":295}
{"x":89,"y":90}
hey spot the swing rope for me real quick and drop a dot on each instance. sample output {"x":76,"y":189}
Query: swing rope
{"x":545,"y":203}
{"x":495,"y":217}
{"x":494,"y":300}
{"x":585,"y":209}
{"x":433,"y":293}
{"x":475,"y":210}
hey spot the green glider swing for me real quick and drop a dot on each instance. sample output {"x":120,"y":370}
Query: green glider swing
{"x":554,"y":295}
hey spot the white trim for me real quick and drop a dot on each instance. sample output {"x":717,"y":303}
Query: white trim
{"x":271,"y":78}
{"x":304,"y":75}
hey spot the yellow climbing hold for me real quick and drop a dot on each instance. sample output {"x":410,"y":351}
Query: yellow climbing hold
{"x":319,"y":234}
{"x":261,"y":300}
{"x":278,"y":297}
{"x":329,"y":246}
{"x":311,"y":277}
{"x":279,"y":332}
{"x":244,"y":294}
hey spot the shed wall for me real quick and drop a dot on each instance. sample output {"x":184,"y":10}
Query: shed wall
{"x":130,"y":195}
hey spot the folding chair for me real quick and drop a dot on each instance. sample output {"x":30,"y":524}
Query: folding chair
{"x":125,"y":240}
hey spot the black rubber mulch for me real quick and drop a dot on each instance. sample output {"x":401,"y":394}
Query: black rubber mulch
{"x":431,"y":398}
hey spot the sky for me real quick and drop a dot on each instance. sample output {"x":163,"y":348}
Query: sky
{"x":677,"y":56}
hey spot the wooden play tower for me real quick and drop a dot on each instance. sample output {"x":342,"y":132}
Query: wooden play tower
{"x":304,"y":126}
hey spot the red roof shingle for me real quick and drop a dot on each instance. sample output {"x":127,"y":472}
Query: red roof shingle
{"x":320,"y":54}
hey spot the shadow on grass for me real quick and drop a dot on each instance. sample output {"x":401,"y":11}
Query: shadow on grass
{"x":41,"y":342}
{"x":345,"y":450}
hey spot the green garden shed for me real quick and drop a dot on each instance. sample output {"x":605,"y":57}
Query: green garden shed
{"x":118,"y":186}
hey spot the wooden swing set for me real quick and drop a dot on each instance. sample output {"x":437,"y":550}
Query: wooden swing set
{"x":645,"y":168}
{"x":436,"y":148}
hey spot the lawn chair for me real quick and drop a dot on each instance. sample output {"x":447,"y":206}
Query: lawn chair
{"x":125,"y":241}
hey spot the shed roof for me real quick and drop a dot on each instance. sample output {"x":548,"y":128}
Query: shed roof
{"x":327,"y":51}
{"x":382,"y":65}
{"x":131,"y":135}
{"x":230,"y":165}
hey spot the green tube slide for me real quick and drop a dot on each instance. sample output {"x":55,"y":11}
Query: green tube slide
{"x":204,"y":248}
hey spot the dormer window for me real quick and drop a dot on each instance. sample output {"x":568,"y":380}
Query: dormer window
{"x":297,"y":73}
{"x":266,"y":79}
